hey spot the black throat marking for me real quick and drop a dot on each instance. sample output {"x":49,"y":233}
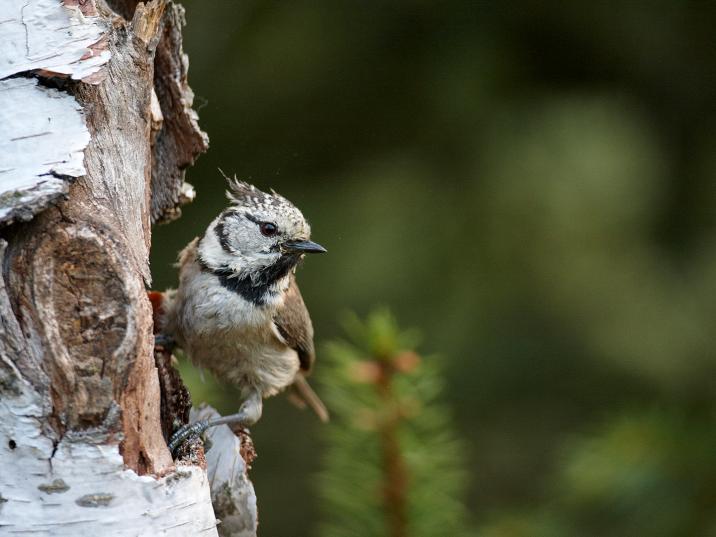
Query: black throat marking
{"x":256,"y":290}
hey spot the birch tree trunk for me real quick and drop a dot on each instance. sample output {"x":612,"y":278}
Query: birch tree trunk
{"x":96,"y":128}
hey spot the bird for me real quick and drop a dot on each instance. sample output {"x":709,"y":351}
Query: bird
{"x":238,"y":311}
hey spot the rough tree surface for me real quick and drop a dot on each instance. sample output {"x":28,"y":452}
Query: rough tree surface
{"x":97,"y":128}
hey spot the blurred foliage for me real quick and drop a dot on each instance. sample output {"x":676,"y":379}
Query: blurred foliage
{"x":649,"y":473}
{"x":394,"y":466}
{"x":530,"y":183}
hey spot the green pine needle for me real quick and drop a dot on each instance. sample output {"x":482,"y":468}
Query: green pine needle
{"x":394,"y":465}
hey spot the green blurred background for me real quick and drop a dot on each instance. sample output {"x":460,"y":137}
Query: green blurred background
{"x":531,"y":184}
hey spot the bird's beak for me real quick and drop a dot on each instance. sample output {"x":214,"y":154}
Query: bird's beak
{"x":303,"y":247}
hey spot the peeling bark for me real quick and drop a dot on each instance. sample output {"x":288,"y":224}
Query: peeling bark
{"x":97,"y":131}
{"x":41,"y":152}
{"x":180,"y":139}
{"x":65,"y":38}
{"x":228,"y":458}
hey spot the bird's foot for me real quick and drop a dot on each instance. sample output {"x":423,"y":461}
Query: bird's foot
{"x":165,"y":342}
{"x":248,"y":414}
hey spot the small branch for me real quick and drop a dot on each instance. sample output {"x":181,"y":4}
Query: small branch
{"x":395,"y":475}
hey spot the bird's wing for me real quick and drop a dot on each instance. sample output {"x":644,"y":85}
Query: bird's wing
{"x":294,"y":326}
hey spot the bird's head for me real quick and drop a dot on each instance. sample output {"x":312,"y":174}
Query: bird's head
{"x":260,"y":237}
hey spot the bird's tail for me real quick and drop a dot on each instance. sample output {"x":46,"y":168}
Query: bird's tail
{"x":301,"y":394}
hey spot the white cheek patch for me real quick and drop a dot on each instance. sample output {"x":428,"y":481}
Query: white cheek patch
{"x":210,"y":249}
{"x":241,"y":261}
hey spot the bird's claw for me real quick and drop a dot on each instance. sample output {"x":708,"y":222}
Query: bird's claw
{"x":186,"y":432}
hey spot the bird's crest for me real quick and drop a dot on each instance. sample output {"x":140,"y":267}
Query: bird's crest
{"x":243,"y":193}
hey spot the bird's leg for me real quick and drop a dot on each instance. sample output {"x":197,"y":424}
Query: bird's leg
{"x":248,"y":414}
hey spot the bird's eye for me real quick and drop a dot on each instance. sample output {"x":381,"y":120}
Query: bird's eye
{"x":268,"y":229}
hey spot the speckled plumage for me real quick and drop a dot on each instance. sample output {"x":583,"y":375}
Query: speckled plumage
{"x":238,"y":311}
